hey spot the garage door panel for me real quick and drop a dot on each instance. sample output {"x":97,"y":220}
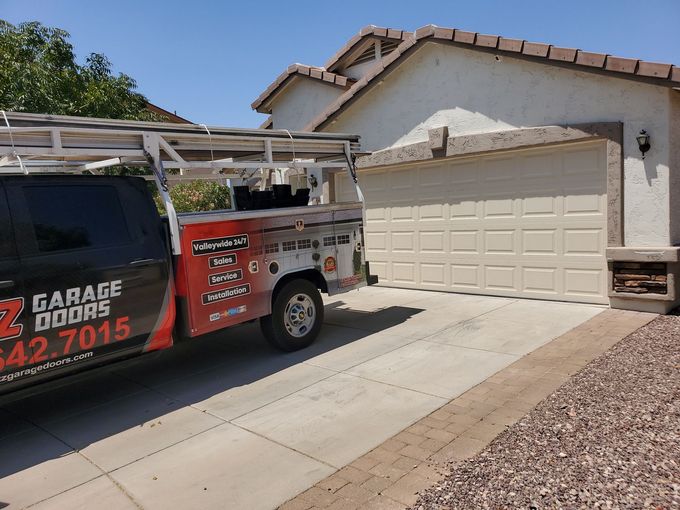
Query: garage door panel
{"x":536,"y":170}
{"x":403,"y":242}
{"x":540,"y":280}
{"x":542,"y":205}
{"x":431,"y":178}
{"x":500,"y":277}
{"x":539,"y":241}
{"x":374,"y":184}
{"x":343,"y":191}
{"x":495,"y":172}
{"x":465,"y":276}
{"x":432,"y":241}
{"x":404,"y":272}
{"x":583,"y":282}
{"x":376,"y":241}
{"x":582,"y":162}
{"x":498,"y":205}
{"x":433,"y":211}
{"x":379,"y":269}
{"x":403,"y":212}
{"x":463,"y":175}
{"x":465,"y":242}
{"x":583,"y":201}
{"x":402,"y":180}
{"x":525,"y":224}
{"x":464,"y":207}
{"x":584,"y":241}
{"x":432,"y":273}
{"x":499,"y":242}
{"x":378,"y":213}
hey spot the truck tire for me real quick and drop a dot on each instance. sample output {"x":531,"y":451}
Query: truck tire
{"x":297,"y":315}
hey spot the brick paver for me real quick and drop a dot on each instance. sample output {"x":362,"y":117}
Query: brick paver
{"x":390,"y":476}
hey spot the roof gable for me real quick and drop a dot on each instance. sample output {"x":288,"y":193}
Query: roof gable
{"x":263,"y":103}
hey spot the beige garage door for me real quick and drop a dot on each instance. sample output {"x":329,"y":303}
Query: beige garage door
{"x":528,"y":223}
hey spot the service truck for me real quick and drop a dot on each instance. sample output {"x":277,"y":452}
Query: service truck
{"x":91,"y":272}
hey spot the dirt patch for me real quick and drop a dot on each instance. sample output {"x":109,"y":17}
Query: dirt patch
{"x":608,"y":438}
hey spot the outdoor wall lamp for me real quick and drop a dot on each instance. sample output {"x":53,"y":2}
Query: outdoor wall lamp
{"x":643,"y":142}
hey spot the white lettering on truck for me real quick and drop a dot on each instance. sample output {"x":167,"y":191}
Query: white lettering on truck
{"x":74,"y":305}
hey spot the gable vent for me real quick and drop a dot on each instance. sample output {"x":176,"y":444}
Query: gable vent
{"x":386,"y":47}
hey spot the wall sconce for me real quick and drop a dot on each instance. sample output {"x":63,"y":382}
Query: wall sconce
{"x":643,"y":142}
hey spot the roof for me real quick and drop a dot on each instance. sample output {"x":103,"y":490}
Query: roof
{"x":652,"y":72}
{"x":169,"y":116}
{"x":262,"y":103}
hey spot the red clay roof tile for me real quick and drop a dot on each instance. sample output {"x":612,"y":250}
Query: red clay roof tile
{"x":587,"y":58}
{"x":426,"y":31}
{"x":621,"y":65}
{"x":443,"y":33}
{"x":394,"y":34}
{"x":536,"y":49}
{"x":488,"y":41}
{"x":654,"y":69}
{"x":463,"y":36}
{"x":514,"y":45}
{"x":562,"y":54}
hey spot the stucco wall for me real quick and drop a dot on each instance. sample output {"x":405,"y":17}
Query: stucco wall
{"x":301,"y":101}
{"x":472,"y":92}
{"x":674,"y":119}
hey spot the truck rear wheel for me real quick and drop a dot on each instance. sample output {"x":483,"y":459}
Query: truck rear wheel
{"x":297,"y":314}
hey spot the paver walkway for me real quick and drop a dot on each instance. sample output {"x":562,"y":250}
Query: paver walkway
{"x":391,"y":475}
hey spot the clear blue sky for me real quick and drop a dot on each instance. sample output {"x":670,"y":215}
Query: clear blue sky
{"x":209,"y":59}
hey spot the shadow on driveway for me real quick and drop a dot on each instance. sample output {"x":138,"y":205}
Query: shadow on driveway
{"x":58,"y":417}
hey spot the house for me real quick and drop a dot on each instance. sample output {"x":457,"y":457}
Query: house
{"x":503,"y":167}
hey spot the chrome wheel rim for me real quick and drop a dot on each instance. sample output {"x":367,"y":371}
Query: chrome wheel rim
{"x":299,"y":315}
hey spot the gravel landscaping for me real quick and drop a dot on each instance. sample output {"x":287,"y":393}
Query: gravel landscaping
{"x":608,"y":438}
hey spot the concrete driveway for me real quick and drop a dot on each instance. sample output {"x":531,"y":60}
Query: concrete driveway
{"x":226,"y":422}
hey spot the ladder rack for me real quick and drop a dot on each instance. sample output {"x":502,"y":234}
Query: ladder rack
{"x":35,"y":143}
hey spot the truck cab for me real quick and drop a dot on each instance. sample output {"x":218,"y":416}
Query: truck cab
{"x":83,"y":274}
